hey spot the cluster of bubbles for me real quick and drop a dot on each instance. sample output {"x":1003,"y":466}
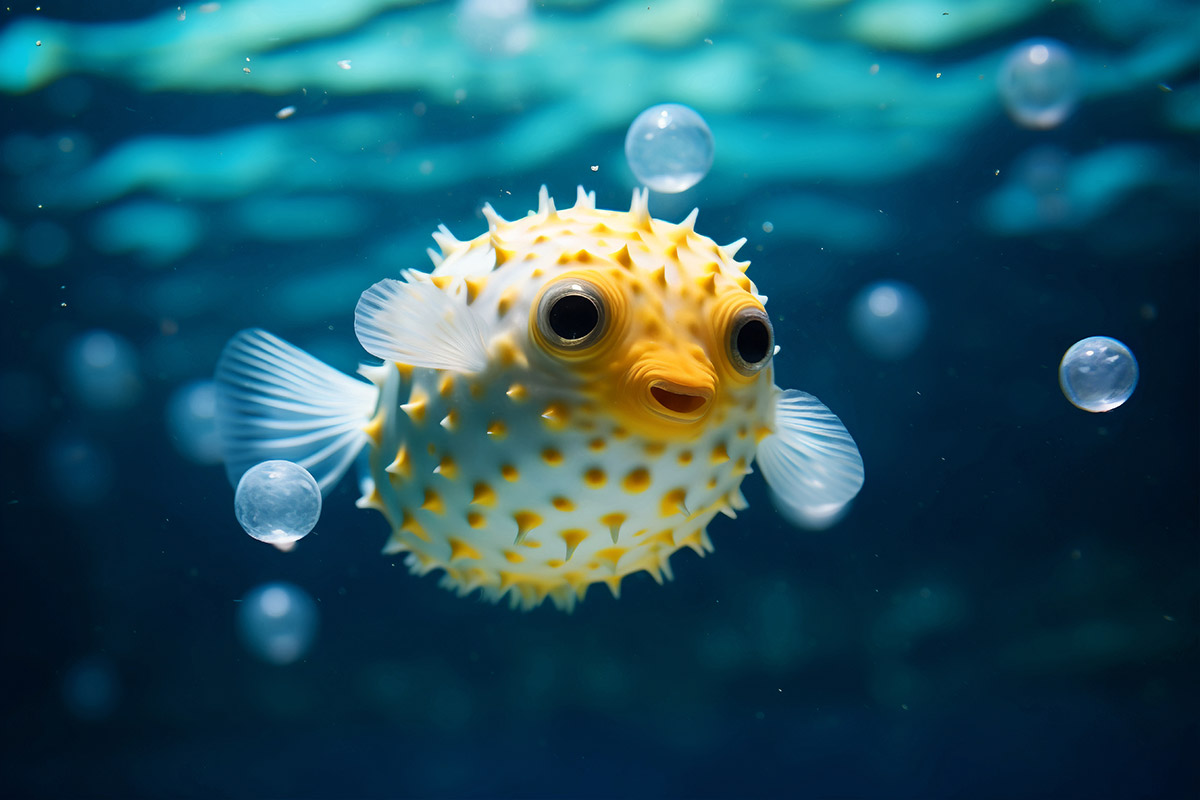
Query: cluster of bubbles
{"x":1098,"y":374}
{"x":1039,"y":84}
{"x":277,"y":622}
{"x":277,"y":502}
{"x":669,"y":148}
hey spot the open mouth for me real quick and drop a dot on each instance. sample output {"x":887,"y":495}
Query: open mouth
{"x":678,"y":403}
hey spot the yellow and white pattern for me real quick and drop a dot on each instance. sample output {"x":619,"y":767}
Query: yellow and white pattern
{"x":566,"y":399}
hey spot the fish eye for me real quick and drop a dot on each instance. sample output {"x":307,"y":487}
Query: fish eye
{"x":571,"y":315}
{"x":751,"y":341}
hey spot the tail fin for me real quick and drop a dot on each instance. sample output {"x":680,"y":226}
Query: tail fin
{"x":276,"y":401}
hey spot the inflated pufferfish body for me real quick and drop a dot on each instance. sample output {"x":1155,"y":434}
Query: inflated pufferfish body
{"x":566,"y":399}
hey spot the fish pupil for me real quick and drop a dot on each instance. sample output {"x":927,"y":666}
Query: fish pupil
{"x":573,"y":316}
{"x":753,"y":340}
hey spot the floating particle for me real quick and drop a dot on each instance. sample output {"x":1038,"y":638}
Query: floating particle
{"x":1098,"y":374}
{"x":38,"y":43}
{"x":595,"y":167}
{"x":874,"y":69}
{"x":277,"y":502}
{"x":208,"y":8}
{"x":285,"y":112}
{"x":938,"y":75}
{"x":246,"y":70}
{"x":1162,"y":87}
{"x":889,"y":319}
{"x":344,"y":63}
{"x":182,"y":15}
{"x":277,"y":622}
{"x":669,"y":147}
{"x":768,"y":227}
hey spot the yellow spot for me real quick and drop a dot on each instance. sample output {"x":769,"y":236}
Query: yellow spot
{"x":573,"y":537}
{"x":446,"y":385}
{"x":712,"y":482}
{"x":526,"y":521}
{"x":534,"y":543}
{"x":506,"y":352}
{"x":517,"y":392}
{"x":637,"y":481}
{"x":431,"y":448}
{"x":655,"y":449}
{"x":672,"y":503}
{"x":476,"y":520}
{"x":497,"y":429}
{"x":595,"y":478}
{"x":415,"y":407}
{"x":409,"y":523}
{"x":374,"y":429}
{"x":405,"y":370}
{"x":614,"y":585}
{"x":552,"y":456}
{"x":719,"y":454}
{"x":402,"y":465}
{"x":613,"y":522}
{"x":510,"y":473}
{"x":743,"y":281}
{"x":442,"y":281}
{"x":460,"y":549}
{"x":507,"y":298}
{"x":450,"y":421}
{"x":620,"y":432}
{"x":563,"y":504}
{"x":663,"y":537}
{"x":612,"y":555}
{"x":474,"y":287}
{"x":484,"y":495}
{"x":684,"y":458}
{"x":448,"y":468}
{"x":555,"y":416}
{"x":555,"y":563}
{"x":597,"y":444}
{"x":659,"y":276}
{"x":707,"y":283}
{"x":513,"y":558}
{"x":433,"y":502}
{"x":502,"y":254}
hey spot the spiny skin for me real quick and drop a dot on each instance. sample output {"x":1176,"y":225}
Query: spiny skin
{"x":549,"y":470}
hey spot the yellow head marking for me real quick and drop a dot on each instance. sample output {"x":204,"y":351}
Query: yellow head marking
{"x":563,"y":504}
{"x":595,"y":478}
{"x":526,"y":521}
{"x":476,"y":520}
{"x":552,"y":456}
{"x":510,"y":473}
{"x":573,"y":537}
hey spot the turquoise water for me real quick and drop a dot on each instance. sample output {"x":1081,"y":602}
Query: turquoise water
{"x":1007,"y":609}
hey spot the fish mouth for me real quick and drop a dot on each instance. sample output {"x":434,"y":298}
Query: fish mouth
{"x":674,"y":401}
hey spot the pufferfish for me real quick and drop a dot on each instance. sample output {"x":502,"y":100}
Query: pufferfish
{"x":566,"y":399}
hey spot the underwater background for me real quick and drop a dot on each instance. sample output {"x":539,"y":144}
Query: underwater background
{"x":1010,"y":606}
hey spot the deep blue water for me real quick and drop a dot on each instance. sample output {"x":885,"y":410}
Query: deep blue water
{"x":1009,"y":608}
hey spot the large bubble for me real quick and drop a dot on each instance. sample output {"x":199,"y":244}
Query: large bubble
{"x":277,"y":622}
{"x":1038,"y":83}
{"x":889,"y":319}
{"x":1098,"y":374}
{"x":669,"y":148}
{"x":277,"y":502}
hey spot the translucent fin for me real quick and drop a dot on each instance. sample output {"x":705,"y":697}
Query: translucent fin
{"x":414,"y":322}
{"x":276,"y":401}
{"x":810,"y":459}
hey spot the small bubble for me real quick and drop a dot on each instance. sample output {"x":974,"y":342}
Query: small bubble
{"x":344,"y":63}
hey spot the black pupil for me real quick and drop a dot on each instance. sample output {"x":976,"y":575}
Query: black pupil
{"x":573,"y":316}
{"x":752,"y":341}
